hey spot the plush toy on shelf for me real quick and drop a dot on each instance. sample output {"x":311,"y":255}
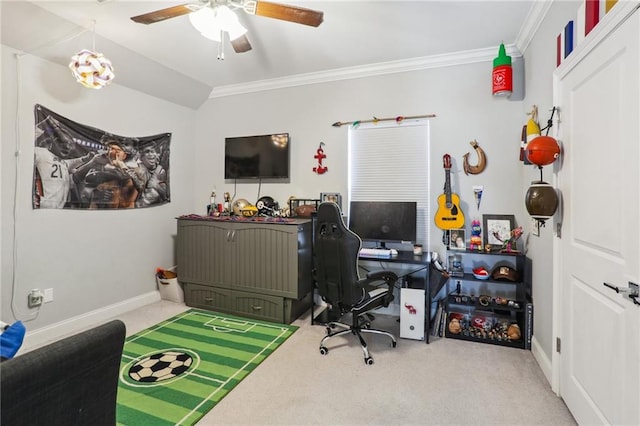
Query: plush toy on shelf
{"x":475,"y":243}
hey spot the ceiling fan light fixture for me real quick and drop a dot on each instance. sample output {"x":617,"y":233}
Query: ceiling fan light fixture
{"x":236,"y":31}
{"x":230,"y":22}
{"x":210,"y":22}
{"x":204,"y":20}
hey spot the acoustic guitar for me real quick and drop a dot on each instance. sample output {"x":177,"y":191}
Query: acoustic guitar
{"x":449,"y":214}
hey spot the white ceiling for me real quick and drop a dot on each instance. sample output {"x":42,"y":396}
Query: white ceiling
{"x":171,"y":60}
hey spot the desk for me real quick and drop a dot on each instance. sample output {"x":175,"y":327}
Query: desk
{"x":405,"y":264}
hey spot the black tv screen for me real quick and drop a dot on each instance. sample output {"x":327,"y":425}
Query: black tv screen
{"x":384,"y":221}
{"x":252,"y":157}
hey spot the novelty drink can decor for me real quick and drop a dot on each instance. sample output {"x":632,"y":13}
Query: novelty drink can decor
{"x":502,"y":73}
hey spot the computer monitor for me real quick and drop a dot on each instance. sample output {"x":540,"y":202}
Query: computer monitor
{"x":383,"y":221}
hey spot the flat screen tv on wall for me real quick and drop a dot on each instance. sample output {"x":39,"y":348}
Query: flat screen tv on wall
{"x":257,"y":157}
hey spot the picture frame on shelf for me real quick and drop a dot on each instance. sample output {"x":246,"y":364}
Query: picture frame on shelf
{"x":496,"y":229}
{"x":334,"y":197}
{"x":457,"y":239}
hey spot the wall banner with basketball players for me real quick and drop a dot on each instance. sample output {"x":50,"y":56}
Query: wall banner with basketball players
{"x":81,"y":167}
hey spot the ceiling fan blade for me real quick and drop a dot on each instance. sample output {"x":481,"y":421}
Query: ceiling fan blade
{"x":284,"y":12}
{"x":241,"y":44}
{"x":162,"y":14}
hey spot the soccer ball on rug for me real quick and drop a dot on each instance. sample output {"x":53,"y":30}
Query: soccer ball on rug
{"x":160,"y":366}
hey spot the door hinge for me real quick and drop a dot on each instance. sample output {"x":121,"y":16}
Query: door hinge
{"x":558,"y":344}
{"x":558,"y":229}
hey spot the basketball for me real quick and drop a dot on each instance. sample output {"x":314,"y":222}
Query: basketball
{"x":542,"y":150}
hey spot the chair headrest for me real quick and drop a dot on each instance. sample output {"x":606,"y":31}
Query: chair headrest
{"x":328,"y":211}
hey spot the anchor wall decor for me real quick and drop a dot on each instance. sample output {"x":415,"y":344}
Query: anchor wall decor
{"x":320,"y":155}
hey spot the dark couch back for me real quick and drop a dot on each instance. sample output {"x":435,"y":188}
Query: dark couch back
{"x":73,"y":381}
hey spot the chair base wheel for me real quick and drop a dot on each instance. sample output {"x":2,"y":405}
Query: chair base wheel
{"x":368,"y":361}
{"x":394,"y":344}
{"x":323,"y":350}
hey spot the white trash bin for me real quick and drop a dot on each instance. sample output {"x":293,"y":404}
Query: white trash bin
{"x":170,"y":288}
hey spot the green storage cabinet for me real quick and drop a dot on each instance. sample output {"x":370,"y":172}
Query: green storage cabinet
{"x":249,"y":268}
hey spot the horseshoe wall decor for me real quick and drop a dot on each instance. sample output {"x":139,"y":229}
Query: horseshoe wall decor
{"x":482,"y":160}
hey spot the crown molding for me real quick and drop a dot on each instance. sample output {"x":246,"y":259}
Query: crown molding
{"x":382,"y":68}
{"x":538,"y":11}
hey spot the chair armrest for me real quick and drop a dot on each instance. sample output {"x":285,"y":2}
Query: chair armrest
{"x":376,"y":278}
{"x":383,"y":275}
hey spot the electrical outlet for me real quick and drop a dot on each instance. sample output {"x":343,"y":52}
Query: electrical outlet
{"x":35,"y":298}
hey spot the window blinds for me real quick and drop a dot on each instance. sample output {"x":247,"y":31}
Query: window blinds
{"x":390,"y":162}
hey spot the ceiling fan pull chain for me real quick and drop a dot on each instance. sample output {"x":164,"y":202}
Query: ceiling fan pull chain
{"x":221,"y":47}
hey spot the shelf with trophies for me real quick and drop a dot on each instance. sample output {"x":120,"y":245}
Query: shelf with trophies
{"x":488,"y":296}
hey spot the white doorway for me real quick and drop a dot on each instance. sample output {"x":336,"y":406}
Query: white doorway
{"x":598,"y":93}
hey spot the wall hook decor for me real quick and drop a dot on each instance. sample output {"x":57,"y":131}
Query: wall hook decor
{"x":482,"y":160}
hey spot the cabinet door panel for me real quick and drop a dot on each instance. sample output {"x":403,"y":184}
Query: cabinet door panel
{"x":204,"y":253}
{"x":267,"y":259}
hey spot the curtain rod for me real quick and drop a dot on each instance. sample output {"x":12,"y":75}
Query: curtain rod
{"x":397,"y":119}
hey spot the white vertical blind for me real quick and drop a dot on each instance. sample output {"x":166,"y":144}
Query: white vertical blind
{"x":390,"y":162}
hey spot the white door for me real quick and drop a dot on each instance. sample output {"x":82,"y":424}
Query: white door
{"x":599,"y":102}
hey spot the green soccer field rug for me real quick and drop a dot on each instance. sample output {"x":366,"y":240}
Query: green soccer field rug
{"x":176,"y":371}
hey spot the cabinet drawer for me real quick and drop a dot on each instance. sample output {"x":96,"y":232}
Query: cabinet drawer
{"x":201,"y":296}
{"x":259,"y":306}
{"x":252,"y":305}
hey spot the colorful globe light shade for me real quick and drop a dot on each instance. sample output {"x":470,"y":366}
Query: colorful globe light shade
{"x":542,"y":150}
{"x":91,"y":69}
{"x":541,"y":200}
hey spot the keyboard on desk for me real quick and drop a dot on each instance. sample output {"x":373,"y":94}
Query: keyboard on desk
{"x":376,"y":253}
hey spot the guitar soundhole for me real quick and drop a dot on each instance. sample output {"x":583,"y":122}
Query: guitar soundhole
{"x":454,"y":209}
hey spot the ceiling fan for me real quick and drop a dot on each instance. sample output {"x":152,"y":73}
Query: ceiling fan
{"x":215,"y":17}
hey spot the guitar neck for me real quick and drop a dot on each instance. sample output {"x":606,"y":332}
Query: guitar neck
{"x":447,"y":187}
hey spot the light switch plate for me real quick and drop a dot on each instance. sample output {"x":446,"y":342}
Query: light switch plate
{"x":535,"y":227}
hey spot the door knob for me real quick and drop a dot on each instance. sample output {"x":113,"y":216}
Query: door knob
{"x":633,"y":291}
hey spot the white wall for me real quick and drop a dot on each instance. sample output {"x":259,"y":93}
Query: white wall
{"x":92,"y":259}
{"x":96,"y":259}
{"x":460,"y":96}
{"x":540,"y":58}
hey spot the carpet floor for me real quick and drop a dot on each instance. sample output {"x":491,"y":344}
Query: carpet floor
{"x":448,"y":382}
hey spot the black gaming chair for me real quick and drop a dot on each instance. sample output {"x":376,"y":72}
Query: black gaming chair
{"x":338,"y":281}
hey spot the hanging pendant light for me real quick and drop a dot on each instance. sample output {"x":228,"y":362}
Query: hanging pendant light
{"x":90,"y":68}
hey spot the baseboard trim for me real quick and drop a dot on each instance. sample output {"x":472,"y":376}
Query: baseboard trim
{"x":59,"y":330}
{"x":543,"y":360}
